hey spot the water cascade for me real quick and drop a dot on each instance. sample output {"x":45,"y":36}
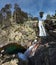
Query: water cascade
{"x":42,"y":31}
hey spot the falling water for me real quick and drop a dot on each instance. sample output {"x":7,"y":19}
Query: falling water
{"x":42,"y":31}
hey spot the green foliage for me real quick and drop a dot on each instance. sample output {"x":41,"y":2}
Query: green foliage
{"x":48,"y":16}
{"x":18,"y":15}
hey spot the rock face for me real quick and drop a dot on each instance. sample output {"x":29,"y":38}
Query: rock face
{"x":44,"y":55}
{"x":12,"y":62}
{"x":20,"y":33}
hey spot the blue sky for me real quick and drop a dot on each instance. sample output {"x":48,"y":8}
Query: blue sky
{"x":33,"y":6}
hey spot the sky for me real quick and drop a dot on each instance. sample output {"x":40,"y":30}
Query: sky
{"x":33,"y":6}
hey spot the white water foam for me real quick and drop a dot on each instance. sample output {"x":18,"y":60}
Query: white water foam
{"x":42,"y":31}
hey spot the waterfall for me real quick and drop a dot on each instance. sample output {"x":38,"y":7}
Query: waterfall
{"x":42,"y":31}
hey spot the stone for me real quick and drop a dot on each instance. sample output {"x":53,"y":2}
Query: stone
{"x":19,"y":33}
{"x":2,"y":51}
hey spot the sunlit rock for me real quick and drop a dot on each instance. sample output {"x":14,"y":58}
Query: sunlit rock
{"x":20,"y":33}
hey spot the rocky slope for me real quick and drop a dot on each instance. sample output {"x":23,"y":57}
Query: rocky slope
{"x":20,"y":33}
